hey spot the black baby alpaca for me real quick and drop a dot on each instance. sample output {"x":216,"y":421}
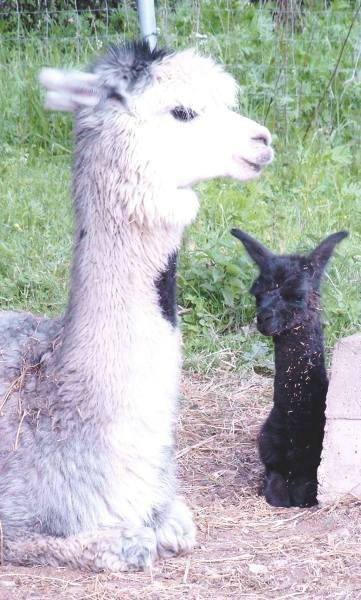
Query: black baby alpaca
{"x":287,"y":300}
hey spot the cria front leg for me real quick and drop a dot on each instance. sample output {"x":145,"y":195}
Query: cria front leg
{"x":303,"y":489}
{"x":275,"y":489}
{"x":108,"y":549}
{"x":177,"y":533}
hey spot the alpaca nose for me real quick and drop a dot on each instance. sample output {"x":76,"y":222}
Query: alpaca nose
{"x":262,"y":135}
{"x":261,"y":138}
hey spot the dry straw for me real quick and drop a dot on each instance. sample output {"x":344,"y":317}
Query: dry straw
{"x":246,"y":549}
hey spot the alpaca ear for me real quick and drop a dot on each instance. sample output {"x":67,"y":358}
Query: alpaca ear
{"x":69,"y":90}
{"x":320,"y":256}
{"x":257,"y":252}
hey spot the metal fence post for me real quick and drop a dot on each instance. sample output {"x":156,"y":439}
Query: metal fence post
{"x":147,"y":22}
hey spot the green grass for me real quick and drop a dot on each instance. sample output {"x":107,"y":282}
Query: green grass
{"x":291,"y":208}
{"x":312,"y":188}
{"x":35,"y":232}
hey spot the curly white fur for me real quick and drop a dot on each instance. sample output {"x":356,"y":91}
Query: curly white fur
{"x":89,"y":401}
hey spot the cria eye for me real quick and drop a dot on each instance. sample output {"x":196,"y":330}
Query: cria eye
{"x":183,"y":114}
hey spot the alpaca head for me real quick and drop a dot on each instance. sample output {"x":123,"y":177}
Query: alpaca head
{"x":287,"y":287}
{"x":161,"y":118}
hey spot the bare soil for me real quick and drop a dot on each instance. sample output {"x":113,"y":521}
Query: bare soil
{"x":246,"y":549}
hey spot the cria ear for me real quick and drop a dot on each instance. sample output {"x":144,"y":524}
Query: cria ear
{"x":69,"y":90}
{"x":257,"y":252}
{"x":322,"y":253}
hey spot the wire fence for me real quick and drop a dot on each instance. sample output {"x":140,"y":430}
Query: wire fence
{"x":297,"y":63}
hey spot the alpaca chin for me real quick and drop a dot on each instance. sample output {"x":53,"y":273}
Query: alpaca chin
{"x":187,"y":206}
{"x":268,"y":328}
{"x":173,"y":208}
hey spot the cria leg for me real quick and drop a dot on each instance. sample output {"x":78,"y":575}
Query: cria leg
{"x":115,"y":549}
{"x":303,"y":491}
{"x":275,"y":489}
{"x":177,"y":534}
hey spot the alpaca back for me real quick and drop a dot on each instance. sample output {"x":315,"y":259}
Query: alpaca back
{"x":25,"y":341}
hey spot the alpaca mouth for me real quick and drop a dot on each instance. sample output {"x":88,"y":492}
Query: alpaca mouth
{"x":256,"y":167}
{"x":263,"y":158}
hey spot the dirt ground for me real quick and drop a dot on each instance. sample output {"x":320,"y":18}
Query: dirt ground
{"x":246,"y":549}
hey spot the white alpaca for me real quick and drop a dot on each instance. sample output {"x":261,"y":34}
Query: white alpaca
{"x":89,"y":401}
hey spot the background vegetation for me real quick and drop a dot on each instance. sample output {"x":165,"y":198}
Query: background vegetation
{"x":299,"y":68}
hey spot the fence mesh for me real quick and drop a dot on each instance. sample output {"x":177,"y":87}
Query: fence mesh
{"x":298,"y":64}
{"x":292,"y":58}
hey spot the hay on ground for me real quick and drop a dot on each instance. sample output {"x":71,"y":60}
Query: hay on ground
{"x":246,"y":549}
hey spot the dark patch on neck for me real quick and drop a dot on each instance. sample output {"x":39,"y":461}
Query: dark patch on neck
{"x":82,"y":233}
{"x":166,"y":289}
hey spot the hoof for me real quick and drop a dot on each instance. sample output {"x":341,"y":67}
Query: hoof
{"x":177,"y":535}
{"x":126,"y":550}
{"x":276,"y":491}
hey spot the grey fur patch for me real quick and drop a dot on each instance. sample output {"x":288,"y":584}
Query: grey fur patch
{"x":129,"y":65}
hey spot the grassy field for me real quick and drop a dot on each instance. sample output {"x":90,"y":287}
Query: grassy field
{"x":313,"y":188}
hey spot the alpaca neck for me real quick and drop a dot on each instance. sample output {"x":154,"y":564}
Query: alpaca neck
{"x":114,"y":275}
{"x":114,"y":317}
{"x":302,"y":343}
{"x":300,"y":373}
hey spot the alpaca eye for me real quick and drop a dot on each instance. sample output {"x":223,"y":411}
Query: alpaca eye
{"x":183,"y":114}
